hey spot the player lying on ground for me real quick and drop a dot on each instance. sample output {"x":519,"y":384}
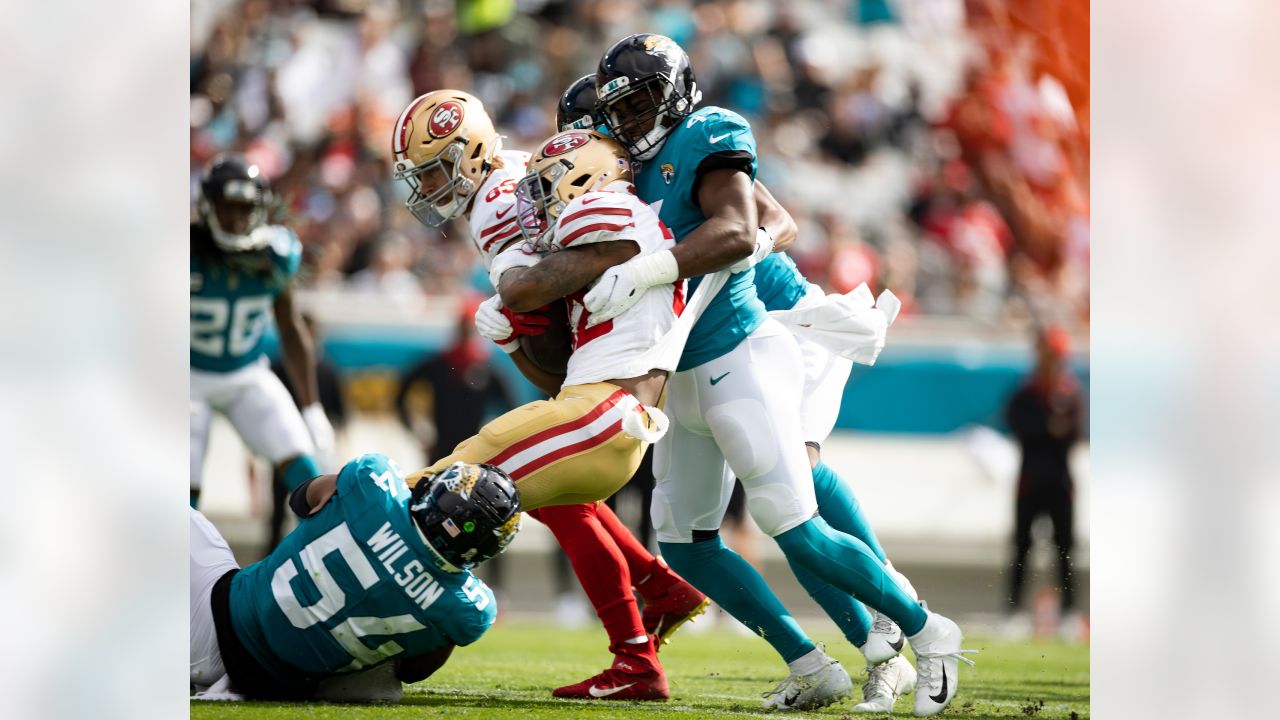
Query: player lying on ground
{"x":241,"y":269}
{"x":447,"y":151}
{"x":735,"y":396}
{"x":373,"y":588}
{"x":782,"y":288}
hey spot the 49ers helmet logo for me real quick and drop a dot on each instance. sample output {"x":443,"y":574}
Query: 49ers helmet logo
{"x":562,"y":144}
{"x":445,"y":119}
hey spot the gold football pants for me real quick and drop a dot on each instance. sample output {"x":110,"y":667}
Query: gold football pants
{"x":564,"y":451}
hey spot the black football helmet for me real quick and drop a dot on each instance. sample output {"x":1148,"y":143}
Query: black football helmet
{"x":467,"y":514}
{"x":234,"y":203}
{"x":644,"y":88}
{"x":577,"y":107}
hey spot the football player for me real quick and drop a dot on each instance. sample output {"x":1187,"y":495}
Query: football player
{"x":781,"y":287}
{"x":734,"y":398}
{"x":448,"y":152}
{"x":373,"y":588}
{"x":242,"y":271}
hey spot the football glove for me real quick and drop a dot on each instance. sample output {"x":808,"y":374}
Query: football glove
{"x":504,"y":327}
{"x":764,"y":246}
{"x":321,"y":431}
{"x":621,"y":286}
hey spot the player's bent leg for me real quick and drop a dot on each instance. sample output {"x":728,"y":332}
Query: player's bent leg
{"x":669,"y":600}
{"x":266,"y":418}
{"x":840,"y":507}
{"x":847,"y":563}
{"x":210,"y":558}
{"x":601,"y":568}
{"x":376,"y":685}
{"x":569,"y":450}
{"x":853,"y":619}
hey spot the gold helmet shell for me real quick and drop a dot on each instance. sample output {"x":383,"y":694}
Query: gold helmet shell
{"x":443,"y":146}
{"x":568,"y":165}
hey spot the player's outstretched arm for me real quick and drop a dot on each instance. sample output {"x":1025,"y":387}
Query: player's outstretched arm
{"x":296,"y":347}
{"x":774,"y":218}
{"x":557,"y":275}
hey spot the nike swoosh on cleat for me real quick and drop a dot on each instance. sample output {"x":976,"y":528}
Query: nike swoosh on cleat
{"x":595,"y":692}
{"x":941,"y":697}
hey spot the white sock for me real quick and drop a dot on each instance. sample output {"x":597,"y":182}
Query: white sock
{"x":809,"y":663}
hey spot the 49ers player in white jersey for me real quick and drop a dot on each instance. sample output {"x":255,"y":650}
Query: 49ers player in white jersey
{"x":447,"y":150}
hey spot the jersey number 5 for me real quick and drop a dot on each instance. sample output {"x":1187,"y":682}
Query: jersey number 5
{"x":349,"y":632}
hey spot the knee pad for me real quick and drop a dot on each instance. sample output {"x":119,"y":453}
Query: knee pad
{"x":745,"y":434}
{"x":776,"y":508}
{"x":661,"y":515}
{"x":299,"y":470}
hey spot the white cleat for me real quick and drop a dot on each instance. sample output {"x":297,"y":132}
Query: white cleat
{"x":938,"y":657}
{"x":819,"y":689}
{"x":886,"y":682}
{"x":885,"y":639}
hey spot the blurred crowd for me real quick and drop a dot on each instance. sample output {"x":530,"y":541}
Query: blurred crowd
{"x":936,"y":147}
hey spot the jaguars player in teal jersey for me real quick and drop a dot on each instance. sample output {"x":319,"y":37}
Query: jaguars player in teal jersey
{"x":781,"y":286}
{"x":372,"y":589}
{"x":735,"y":396}
{"x":242,"y":271}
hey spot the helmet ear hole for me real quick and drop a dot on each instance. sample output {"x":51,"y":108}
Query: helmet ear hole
{"x":580,"y":181}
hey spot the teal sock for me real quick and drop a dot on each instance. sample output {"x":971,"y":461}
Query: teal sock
{"x":736,"y":586}
{"x":840,"y":508}
{"x":848,"y":614}
{"x":298,"y":471}
{"x":847,"y":563}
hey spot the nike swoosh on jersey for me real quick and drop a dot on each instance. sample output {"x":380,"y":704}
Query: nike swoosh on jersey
{"x":596,"y":692}
{"x":715,"y":380}
{"x":588,"y":201}
{"x":505,"y":210}
{"x":718,"y":138}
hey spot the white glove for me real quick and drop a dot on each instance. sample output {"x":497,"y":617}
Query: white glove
{"x":764,"y":246}
{"x":621,"y":286}
{"x":321,"y":430}
{"x":492,"y":323}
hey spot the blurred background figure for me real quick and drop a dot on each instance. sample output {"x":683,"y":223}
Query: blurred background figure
{"x":1046,"y":416}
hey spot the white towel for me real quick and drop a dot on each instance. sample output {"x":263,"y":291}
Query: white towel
{"x":852,"y":325}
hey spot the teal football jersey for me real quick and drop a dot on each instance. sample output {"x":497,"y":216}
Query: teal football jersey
{"x":779,"y":283}
{"x":667,"y":183}
{"x":233,"y":295}
{"x":355,"y":585}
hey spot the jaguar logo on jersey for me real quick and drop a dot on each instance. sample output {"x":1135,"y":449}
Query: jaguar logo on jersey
{"x":445,"y":119}
{"x":562,"y":144}
{"x":668,"y":171}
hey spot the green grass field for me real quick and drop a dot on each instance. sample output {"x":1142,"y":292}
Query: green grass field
{"x":510,"y":672}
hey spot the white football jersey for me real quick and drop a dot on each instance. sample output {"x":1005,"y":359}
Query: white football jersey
{"x":617,"y":348}
{"x":493,"y":214}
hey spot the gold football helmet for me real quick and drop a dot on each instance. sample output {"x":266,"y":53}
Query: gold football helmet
{"x":443,"y":146}
{"x":569,"y":164}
